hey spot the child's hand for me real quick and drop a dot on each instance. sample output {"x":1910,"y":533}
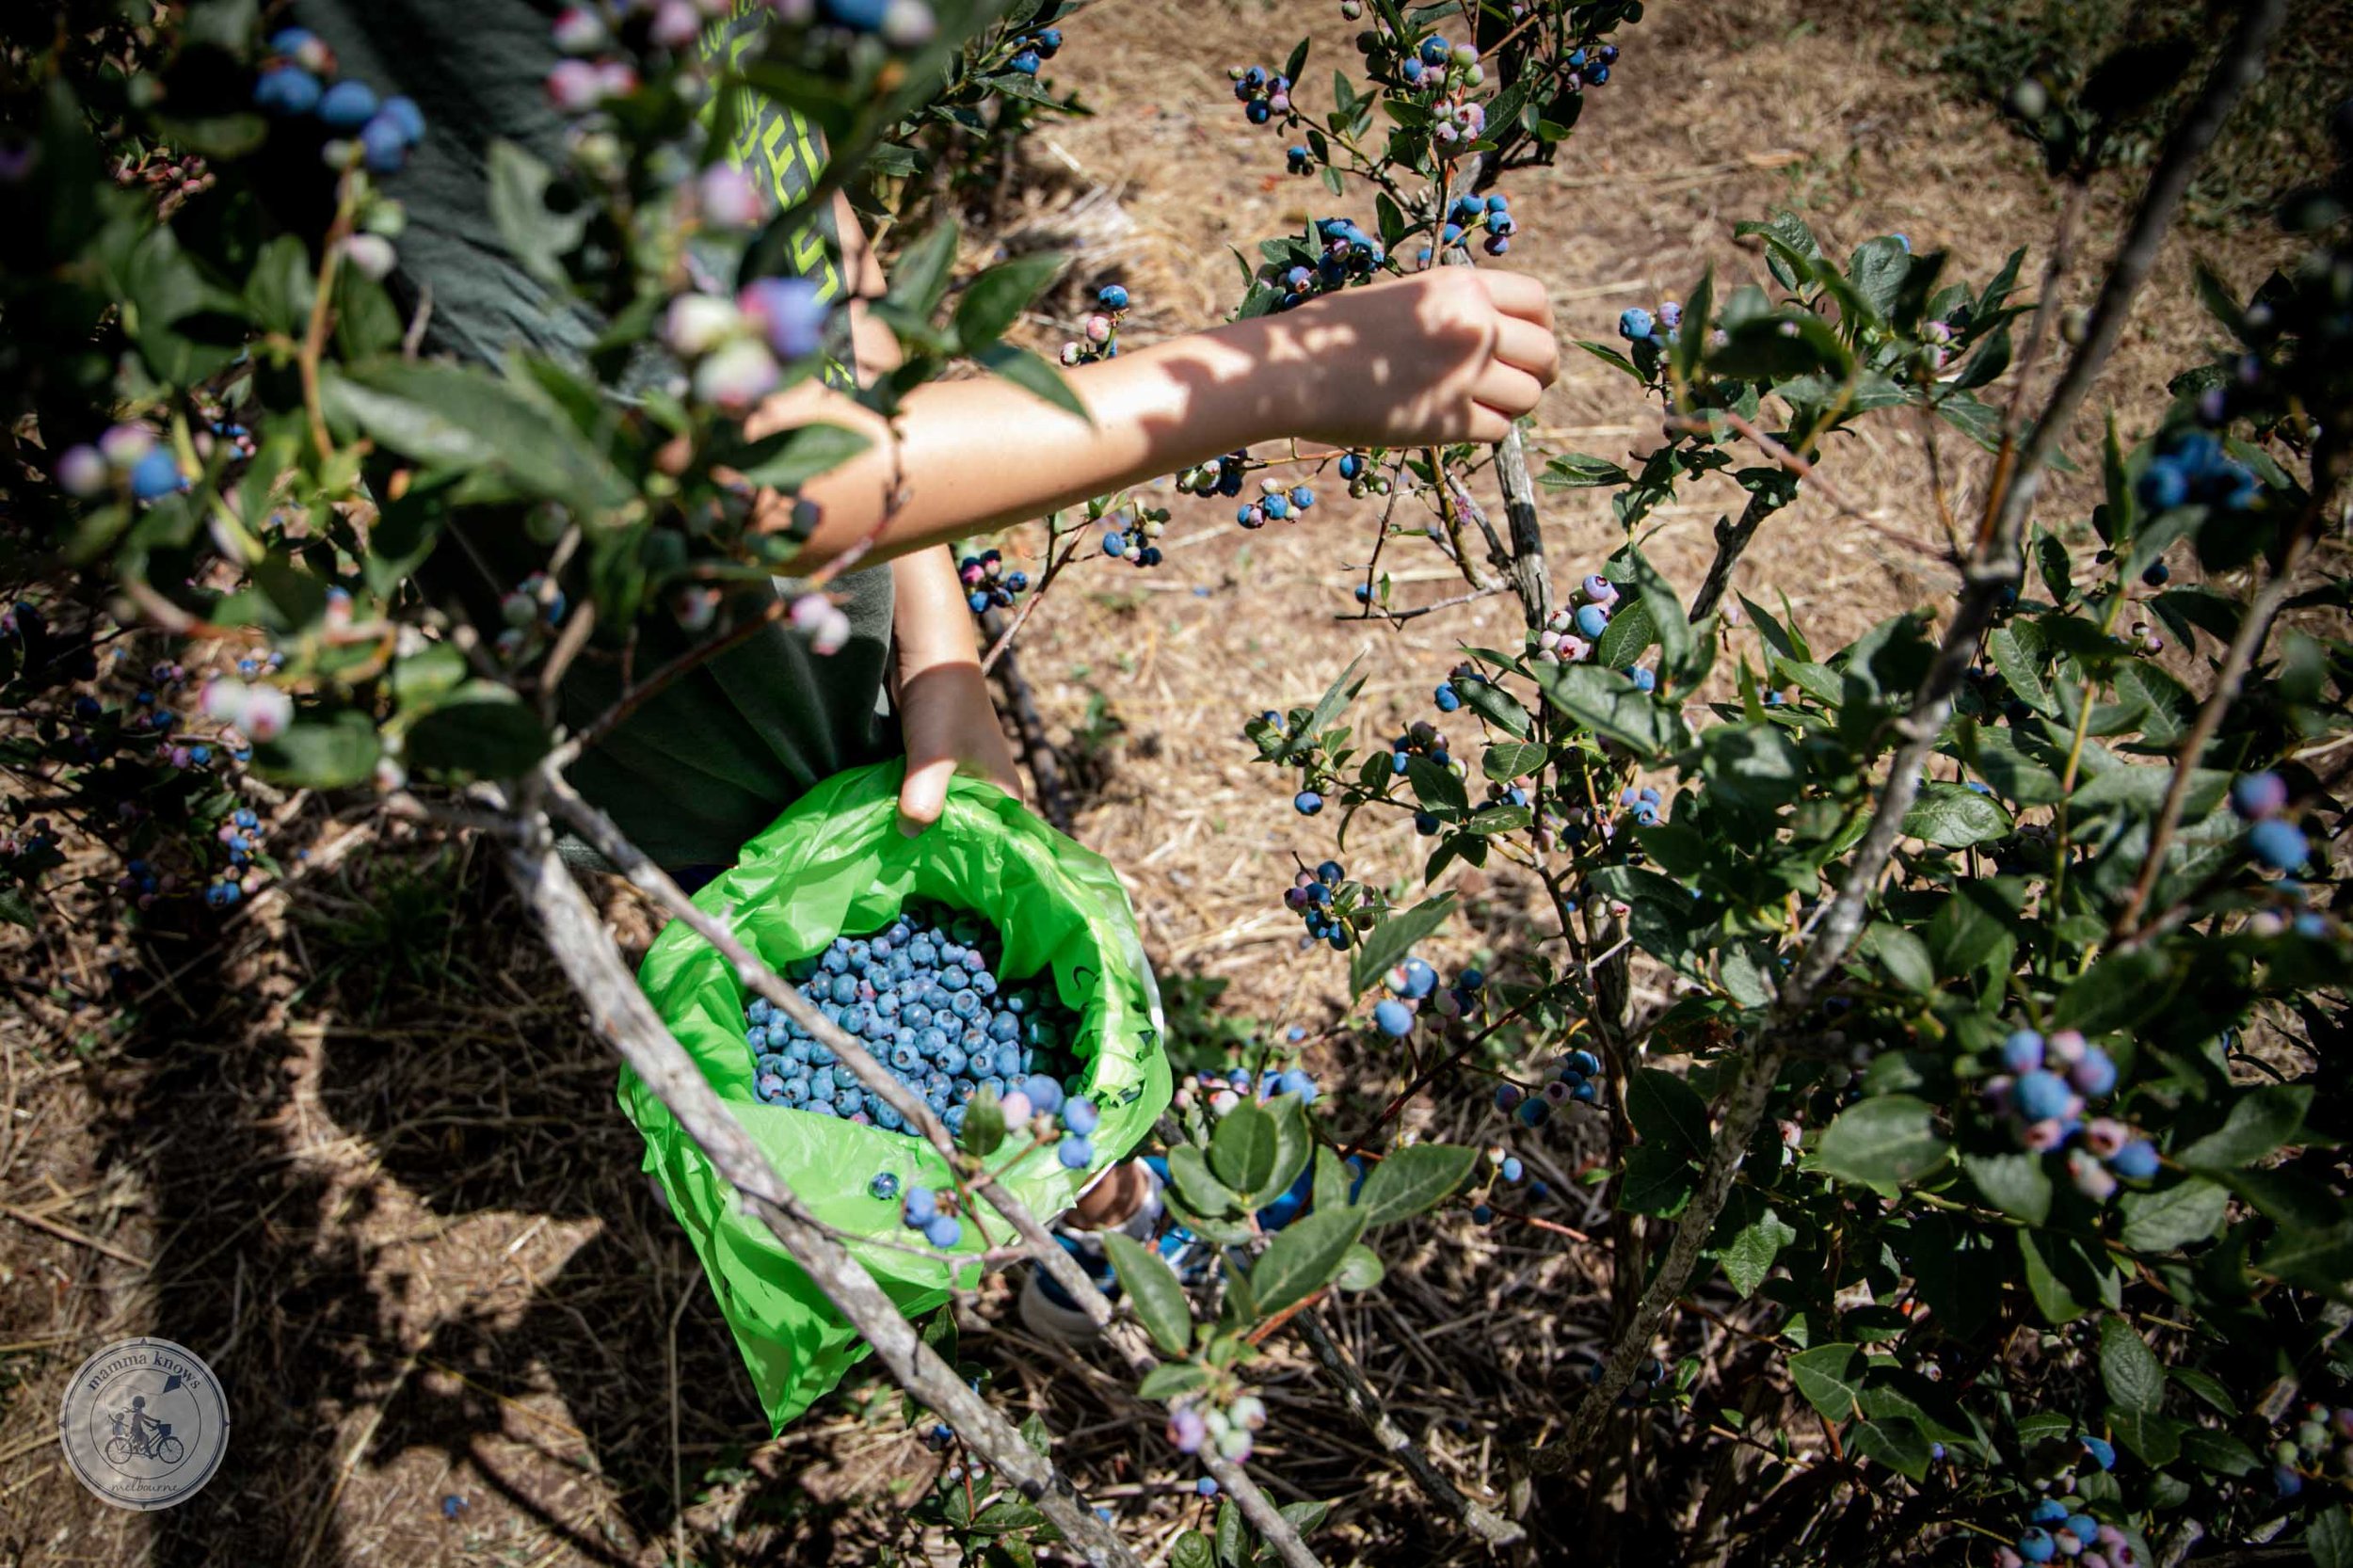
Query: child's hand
{"x":950,"y":726}
{"x":1452,"y":354}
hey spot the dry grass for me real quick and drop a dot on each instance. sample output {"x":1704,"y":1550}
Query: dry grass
{"x":364,"y":1157}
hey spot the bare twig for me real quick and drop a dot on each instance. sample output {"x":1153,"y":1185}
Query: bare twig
{"x":1480,"y":1520}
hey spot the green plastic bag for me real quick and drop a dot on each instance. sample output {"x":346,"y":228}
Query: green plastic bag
{"x":837,"y":863}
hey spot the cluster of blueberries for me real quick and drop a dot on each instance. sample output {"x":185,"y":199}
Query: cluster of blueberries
{"x":1032,"y":1103}
{"x":2260,"y":801}
{"x":2191,"y":467}
{"x":1135,"y":534}
{"x":1276,"y":503}
{"x":1349,"y":252}
{"x":1470,"y":214}
{"x":988,"y":585}
{"x":1099,"y":334}
{"x":1332,"y":908}
{"x":242,"y":835}
{"x":1568,"y":637}
{"x":2044,"y":1088}
{"x":296,"y":82}
{"x":1577,"y":1077}
{"x":1218,"y":477}
{"x":1222,"y":1092}
{"x":1511,"y":1170}
{"x":923,"y":996}
{"x":1412,"y":986}
{"x":1263,"y":94}
{"x":2053,"y":1530}
{"x":1230,"y":1430}
{"x":127,"y":457}
{"x":1644,"y":804}
{"x":2322,"y":1441}
{"x":1362,"y":481}
{"x":1637,"y":325}
{"x":1035,"y":50}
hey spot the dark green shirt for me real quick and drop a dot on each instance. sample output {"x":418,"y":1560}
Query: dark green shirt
{"x":710,"y":761}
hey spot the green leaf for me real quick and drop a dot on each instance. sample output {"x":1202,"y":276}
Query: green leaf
{"x":1037,"y":376}
{"x":1609,"y":702}
{"x":1191,"y":1550}
{"x":2018,"y":668}
{"x":1896,"y":1443}
{"x":2129,"y":1369}
{"x":1827,"y":1377}
{"x":1171,"y":1380}
{"x":1881,"y":1142}
{"x":2017,"y":1184}
{"x":281,"y":286}
{"x":1333,"y":1178}
{"x":1576,"y":471}
{"x":426,"y":674}
{"x":1904,"y":956}
{"x":1672,"y":625}
{"x":1631,"y":629}
{"x":1495,"y":705}
{"x":462,"y":417}
{"x":2329,"y":1537}
{"x":321,"y":752}
{"x":1509,"y":760}
{"x":1154,"y":1291}
{"x":17,"y":911}
{"x":538,"y":236}
{"x":1413,"y":1180}
{"x":1304,"y":1257}
{"x":1955,"y":815}
{"x":919,"y":278}
{"x":1667,"y":1111}
{"x":2154,"y":1438}
{"x":983,"y":1130}
{"x":1293,"y":1142}
{"x":1242,"y":1151}
{"x":1202,"y":1192}
{"x":1747,"y":1257}
{"x":2171,"y":1217}
{"x":1657,"y":1180}
{"x":2117,"y":992}
{"x":789,"y":459}
{"x":481,"y":731}
{"x":2220,"y":1452}
{"x":1361,"y":1269}
{"x":2261,"y":1120}
{"x":998,"y":297}
{"x":1388,"y":942}
{"x":1436,"y":788}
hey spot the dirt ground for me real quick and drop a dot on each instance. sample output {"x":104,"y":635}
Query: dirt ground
{"x":362,"y":1155}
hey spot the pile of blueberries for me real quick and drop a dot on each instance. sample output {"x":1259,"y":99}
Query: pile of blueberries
{"x":2191,"y":467}
{"x":988,"y":583}
{"x":1413,"y":987}
{"x":242,"y":835}
{"x":2045,"y":1087}
{"x":1037,"y":1103}
{"x":378,"y":131}
{"x":1577,"y":1077}
{"x":924,"y":997}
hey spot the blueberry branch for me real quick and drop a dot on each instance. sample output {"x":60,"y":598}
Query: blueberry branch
{"x":1993,"y":568}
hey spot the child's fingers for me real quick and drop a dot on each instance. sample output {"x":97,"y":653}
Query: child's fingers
{"x":1515,"y":294}
{"x":1508,"y":389}
{"x":924,"y":795}
{"x":1529,"y":347}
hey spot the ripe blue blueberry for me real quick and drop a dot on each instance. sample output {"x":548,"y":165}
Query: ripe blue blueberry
{"x":1635,"y":324}
{"x":943,"y":1231}
{"x":2275,"y":842}
{"x":2036,"y":1544}
{"x":347,"y":106}
{"x":286,"y":91}
{"x":1075,"y":1154}
{"x":2257,"y":795}
{"x":154,"y":475}
{"x":2042,"y":1095}
{"x":2102,"y":1452}
{"x":1112,"y":296}
{"x":1394,"y":1019}
{"x":2135,"y":1161}
{"x":1591,"y":621}
{"x":1080,"y":1117}
{"x":1307,"y":802}
{"x":1205,"y":1486}
{"x":920,"y":1208}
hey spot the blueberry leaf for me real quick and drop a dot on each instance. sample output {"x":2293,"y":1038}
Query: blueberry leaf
{"x":1388,"y":942}
{"x":1824,"y":1375}
{"x":1896,"y":1443}
{"x":2260,"y":1121}
{"x":1412,"y":1180}
{"x":1034,"y":376}
{"x":1304,"y":1257}
{"x":1881,"y":1142}
{"x":1242,"y":1151}
{"x":1955,"y":816}
{"x":1171,"y":1379}
{"x":1154,"y":1291}
{"x":1361,"y":1268}
{"x":1202,"y":1192}
{"x":1667,"y":1111}
{"x":2129,"y":1369}
{"x":2171,"y":1217}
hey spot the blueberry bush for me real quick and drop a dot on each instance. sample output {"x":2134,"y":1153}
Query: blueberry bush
{"x":2002,"y":950}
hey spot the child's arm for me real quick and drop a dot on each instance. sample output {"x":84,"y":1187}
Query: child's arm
{"x":947,"y":721}
{"x":1450,"y":354}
